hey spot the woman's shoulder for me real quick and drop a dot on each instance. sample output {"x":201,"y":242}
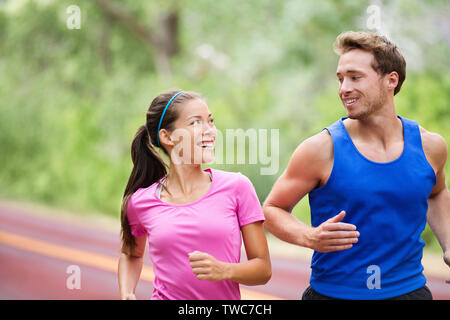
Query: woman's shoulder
{"x":144,"y":194}
{"x":229,"y":178}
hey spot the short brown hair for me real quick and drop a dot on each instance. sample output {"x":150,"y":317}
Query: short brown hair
{"x":387,"y":57}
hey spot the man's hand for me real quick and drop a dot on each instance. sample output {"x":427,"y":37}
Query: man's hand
{"x":333,"y":235}
{"x":206,"y":267}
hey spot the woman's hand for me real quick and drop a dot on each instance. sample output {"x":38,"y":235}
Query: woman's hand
{"x":129,"y":296}
{"x":447,"y":261}
{"x":206,"y":267}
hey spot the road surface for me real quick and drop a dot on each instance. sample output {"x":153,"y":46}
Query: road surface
{"x":45,"y":257}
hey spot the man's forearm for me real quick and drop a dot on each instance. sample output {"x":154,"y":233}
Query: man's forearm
{"x":286,"y":227}
{"x":438,"y":216}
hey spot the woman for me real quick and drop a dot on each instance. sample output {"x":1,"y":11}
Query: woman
{"x":192,"y":218}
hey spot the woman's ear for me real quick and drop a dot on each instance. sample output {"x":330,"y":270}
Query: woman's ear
{"x":165,"y":138}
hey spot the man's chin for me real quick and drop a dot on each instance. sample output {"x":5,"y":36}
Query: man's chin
{"x":357,"y":116}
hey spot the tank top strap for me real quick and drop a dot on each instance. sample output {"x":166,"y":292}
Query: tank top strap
{"x":342,"y":147}
{"x":412,"y":137}
{"x":336,"y":131}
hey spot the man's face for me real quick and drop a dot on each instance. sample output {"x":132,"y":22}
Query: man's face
{"x":361,"y":88}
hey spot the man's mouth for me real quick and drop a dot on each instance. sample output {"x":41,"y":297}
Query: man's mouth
{"x":349,"y":102}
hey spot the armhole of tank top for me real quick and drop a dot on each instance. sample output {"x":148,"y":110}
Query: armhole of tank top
{"x":330,"y":177}
{"x":416,"y":127}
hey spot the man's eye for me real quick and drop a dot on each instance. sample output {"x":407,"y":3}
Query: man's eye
{"x":355,"y":78}
{"x":196,"y":122}
{"x":212,"y":120}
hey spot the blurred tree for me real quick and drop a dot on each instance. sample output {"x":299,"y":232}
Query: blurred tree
{"x":162,"y":42}
{"x":71,"y":100}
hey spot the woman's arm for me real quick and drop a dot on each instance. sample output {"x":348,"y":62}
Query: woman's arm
{"x":130,"y":267}
{"x":256,"y":270}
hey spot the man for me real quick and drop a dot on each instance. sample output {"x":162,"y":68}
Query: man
{"x":373,"y":179}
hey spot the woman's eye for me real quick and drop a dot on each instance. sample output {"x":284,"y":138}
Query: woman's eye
{"x":211,"y":120}
{"x":196,"y":122}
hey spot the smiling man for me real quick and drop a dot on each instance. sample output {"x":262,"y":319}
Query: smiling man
{"x":373,"y":179}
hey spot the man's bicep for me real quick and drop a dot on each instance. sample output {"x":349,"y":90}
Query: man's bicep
{"x":436,"y":151}
{"x":298,"y":179}
{"x":440,"y":184}
{"x":287,"y":192}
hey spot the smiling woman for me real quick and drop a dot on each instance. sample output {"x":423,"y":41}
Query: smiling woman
{"x":192,"y":218}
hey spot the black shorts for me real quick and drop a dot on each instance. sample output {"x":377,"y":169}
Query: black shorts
{"x":420,"y":294}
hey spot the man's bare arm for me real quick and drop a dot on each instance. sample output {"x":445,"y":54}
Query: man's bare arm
{"x":309,"y":167}
{"x":438,"y":214}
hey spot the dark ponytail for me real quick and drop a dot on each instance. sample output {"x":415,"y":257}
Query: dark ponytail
{"x":148,"y":165}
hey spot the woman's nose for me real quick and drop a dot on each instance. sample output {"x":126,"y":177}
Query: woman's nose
{"x":209,"y":130}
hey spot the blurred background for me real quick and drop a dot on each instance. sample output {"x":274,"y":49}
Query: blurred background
{"x":72,"y":99}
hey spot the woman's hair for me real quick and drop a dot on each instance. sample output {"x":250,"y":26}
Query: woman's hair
{"x":387,"y":57}
{"x":148,"y":166}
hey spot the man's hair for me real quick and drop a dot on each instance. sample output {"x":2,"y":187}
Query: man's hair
{"x":387,"y":57}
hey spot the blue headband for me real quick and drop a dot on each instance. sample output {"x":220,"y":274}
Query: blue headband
{"x":164,"y":112}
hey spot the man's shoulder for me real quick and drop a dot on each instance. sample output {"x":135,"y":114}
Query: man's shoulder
{"x":434,"y":146}
{"x":317,"y":148}
{"x":319,"y":143}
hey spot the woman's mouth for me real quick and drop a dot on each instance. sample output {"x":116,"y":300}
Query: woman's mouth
{"x":209,"y":144}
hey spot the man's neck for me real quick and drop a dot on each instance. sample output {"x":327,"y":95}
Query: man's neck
{"x":381,"y":127}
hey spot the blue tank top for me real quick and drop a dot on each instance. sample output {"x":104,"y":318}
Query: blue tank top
{"x":387,"y":202}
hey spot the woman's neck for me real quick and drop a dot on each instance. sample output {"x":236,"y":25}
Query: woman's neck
{"x":185,"y":178}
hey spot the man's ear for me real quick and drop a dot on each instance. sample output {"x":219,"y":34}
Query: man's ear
{"x":392,"y":80}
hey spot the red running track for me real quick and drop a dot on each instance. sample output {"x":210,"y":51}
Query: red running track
{"x":35,"y":252}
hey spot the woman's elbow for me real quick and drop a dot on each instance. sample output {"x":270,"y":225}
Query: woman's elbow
{"x":266,"y":273}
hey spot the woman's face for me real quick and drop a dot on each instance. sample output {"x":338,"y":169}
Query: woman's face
{"x":194,"y":134}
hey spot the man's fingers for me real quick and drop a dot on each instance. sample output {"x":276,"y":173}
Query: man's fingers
{"x":337,"y":217}
{"x":339,"y":226}
{"x":340,"y":235}
{"x":343,"y":234}
{"x":337,"y":248}
{"x":341,"y":242}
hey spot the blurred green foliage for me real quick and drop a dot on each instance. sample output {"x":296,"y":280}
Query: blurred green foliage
{"x":71,"y":100}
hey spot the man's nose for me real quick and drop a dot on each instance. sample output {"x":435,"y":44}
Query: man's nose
{"x":345,"y":87}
